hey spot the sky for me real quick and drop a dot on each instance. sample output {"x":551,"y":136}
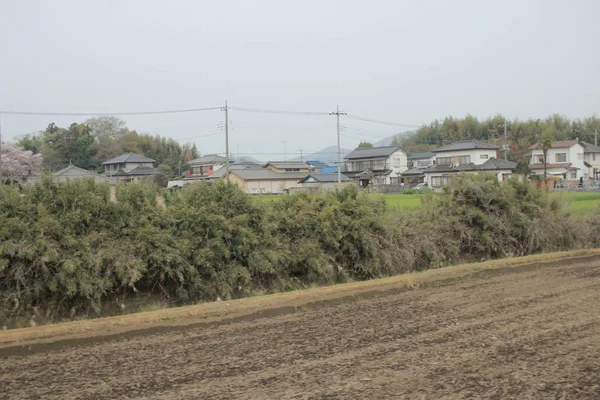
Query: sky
{"x":408,"y":62}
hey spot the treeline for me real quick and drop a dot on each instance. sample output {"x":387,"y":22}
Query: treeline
{"x":88,"y":144}
{"x":520,"y":133}
{"x":67,"y":251}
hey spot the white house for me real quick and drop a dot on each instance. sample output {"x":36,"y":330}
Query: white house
{"x":265,"y":180}
{"x":591,"y":158}
{"x":379,"y":165}
{"x":565,"y":159}
{"x":205,"y":165}
{"x":467,"y":156}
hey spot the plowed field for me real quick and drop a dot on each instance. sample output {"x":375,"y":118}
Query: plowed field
{"x":529,"y":333}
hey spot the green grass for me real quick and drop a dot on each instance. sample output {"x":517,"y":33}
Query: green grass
{"x":581,"y":203}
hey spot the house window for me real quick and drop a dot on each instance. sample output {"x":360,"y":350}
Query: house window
{"x":539,"y":159}
{"x":446,"y":180}
{"x":484,"y":156}
{"x":436,"y":181}
{"x":464,"y":159}
{"x":560,"y":157}
{"x":574,"y":175}
{"x":444,"y":161}
{"x":580,"y":156}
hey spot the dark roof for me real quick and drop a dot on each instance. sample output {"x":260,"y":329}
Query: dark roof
{"x":414,"y":171}
{"x":590,"y":148}
{"x":492,"y":164}
{"x":465,"y":145}
{"x":416,"y":156}
{"x":323,"y":178}
{"x":287,"y":164}
{"x":234,"y":167}
{"x":128,"y":158}
{"x":266,"y":174}
{"x":142,"y":171}
{"x":373,"y":152}
{"x":559,"y":144}
{"x":73,"y":172}
{"x":207,"y":159}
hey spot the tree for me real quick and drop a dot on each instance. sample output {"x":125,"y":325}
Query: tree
{"x":107,"y":127}
{"x":17,"y":164}
{"x":546,"y":145}
{"x":364,"y":145}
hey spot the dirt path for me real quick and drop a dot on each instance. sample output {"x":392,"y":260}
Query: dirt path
{"x":532,"y":334}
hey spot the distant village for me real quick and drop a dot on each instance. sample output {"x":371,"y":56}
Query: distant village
{"x":383,"y":169}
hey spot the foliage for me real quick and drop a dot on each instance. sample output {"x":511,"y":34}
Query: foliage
{"x":364,"y":145}
{"x":17,"y":164}
{"x":67,"y":250}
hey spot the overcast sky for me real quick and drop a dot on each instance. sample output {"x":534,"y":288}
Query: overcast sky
{"x":403,"y":61}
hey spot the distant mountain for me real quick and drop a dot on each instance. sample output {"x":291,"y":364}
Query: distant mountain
{"x":388,"y":141}
{"x":326,"y":155}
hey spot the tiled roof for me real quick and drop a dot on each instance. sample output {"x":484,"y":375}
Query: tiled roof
{"x":590,"y":148}
{"x":561,"y":165}
{"x":559,"y":144}
{"x":372,"y":152}
{"x":142,"y":171}
{"x":492,"y":164}
{"x":330,"y":169}
{"x":466,"y":145}
{"x":287,"y":164}
{"x":326,"y":178}
{"x":207,"y":159}
{"x":416,"y":156}
{"x":128,"y":158}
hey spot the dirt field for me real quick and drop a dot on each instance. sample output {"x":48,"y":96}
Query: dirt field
{"x":528,"y":333}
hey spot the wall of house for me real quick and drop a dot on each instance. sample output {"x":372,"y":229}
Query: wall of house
{"x":270,"y":185}
{"x":272,"y":168}
{"x":573,"y":154}
{"x":233,"y":178}
{"x":445,"y":178}
{"x":594,"y":160}
{"x":132,"y":166}
{"x":423,"y":162}
{"x":476,"y":156}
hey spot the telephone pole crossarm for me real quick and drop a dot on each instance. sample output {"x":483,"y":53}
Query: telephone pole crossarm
{"x":337,"y":113}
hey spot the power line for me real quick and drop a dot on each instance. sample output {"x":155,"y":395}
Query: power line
{"x":376,"y":121}
{"x":259,"y":110}
{"x":188,"y":110}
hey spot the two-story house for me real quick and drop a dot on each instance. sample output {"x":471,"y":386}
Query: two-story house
{"x":129,"y":167}
{"x":591,"y":158}
{"x":378,"y":165}
{"x":467,"y":156}
{"x":204,"y":166}
{"x":417,"y":164}
{"x":565,"y":159}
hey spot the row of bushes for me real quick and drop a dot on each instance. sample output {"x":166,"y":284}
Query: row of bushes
{"x":66,"y":250}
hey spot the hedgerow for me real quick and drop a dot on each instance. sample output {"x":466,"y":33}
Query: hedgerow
{"x":68,"y":251}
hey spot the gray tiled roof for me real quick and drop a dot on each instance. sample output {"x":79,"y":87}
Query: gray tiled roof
{"x":465,"y":145}
{"x":372,"y":152}
{"x":266,"y":173}
{"x":207,"y":159}
{"x":590,"y":148}
{"x":128,"y":158}
{"x":142,"y":171}
{"x":287,"y":164}
{"x":492,"y":164}
{"x":327,"y":178}
{"x":234,"y":167}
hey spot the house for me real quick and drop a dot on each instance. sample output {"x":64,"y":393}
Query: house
{"x":464,"y":152}
{"x":329,"y":169}
{"x":205,"y":165}
{"x":316,"y":165}
{"x":322,"y":181}
{"x":591,"y":160}
{"x":442,"y":175}
{"x":421,"y":160}
{"x":379,"y":165}
{"x":287,"y":166}
{"x":565,"y":159}
{"x":265,"y":180}
{"x":72,"y":172}
{"x":418,"y":163}
{"x":129,"y":167}
{"x":219,"y":173}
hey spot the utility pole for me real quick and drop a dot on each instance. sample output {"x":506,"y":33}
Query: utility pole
{"x":285,"y":149}
{"x":1,"y":179}
{"x":226,"y":140}
{"x":505,"y":143}
{"x":301,"y":156}
{"x":337,"y":113}
{"x":596,"y":137}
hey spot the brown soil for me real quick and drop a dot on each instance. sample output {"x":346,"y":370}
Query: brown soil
{"x":531,"y":334}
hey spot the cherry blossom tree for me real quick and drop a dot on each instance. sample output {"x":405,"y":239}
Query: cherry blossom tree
{"x":17,"y":165}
